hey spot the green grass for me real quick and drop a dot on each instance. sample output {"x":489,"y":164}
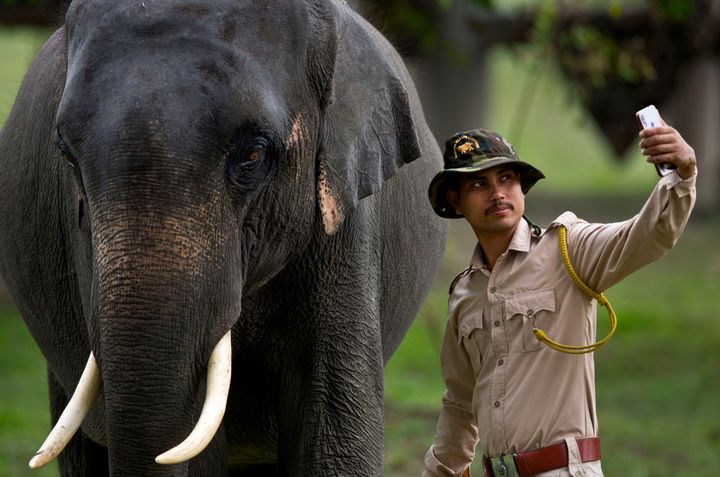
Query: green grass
{"x":24,"y":406}
{"x":658,"y":380}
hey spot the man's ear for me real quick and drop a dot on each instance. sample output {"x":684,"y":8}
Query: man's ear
{"x":454,"y":199}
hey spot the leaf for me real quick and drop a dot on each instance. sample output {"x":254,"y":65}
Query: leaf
{"x":488,"y":4}
{"x":677,"y":10}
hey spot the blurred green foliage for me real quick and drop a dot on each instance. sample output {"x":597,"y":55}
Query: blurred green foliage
{"x":18,"y":46}
{"x":416,"y":22}
{"x":602,"y":57}
{"x":677,"y":10}
{"x":601,"y":54}
{"x":418,"y":19}
{"x":27,"y":3}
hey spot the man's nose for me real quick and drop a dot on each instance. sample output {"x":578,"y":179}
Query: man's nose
{"x":496,"y":192}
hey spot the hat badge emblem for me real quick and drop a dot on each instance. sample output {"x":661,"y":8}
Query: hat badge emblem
{"x":465,"y":145}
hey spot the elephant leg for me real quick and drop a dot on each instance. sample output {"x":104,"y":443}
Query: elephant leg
{"x":82,"y":456}
{"x":332,"y":416}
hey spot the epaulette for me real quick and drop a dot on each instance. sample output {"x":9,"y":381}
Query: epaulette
{"x":458,"y":277}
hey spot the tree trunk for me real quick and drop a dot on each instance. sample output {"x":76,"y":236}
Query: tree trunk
{"x":694,"y":110}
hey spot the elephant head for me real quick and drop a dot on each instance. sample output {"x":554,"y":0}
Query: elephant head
{"x":186,"y":154}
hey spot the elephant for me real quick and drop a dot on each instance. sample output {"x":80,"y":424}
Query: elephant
{"x":214,"y":223}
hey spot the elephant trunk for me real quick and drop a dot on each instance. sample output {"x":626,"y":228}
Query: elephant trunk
{"x":163,"y":298}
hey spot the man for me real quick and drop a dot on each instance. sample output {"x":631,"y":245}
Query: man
{"x":529,"y":408}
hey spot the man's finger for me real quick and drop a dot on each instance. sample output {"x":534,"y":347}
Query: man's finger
{"x":659,"y":149}
{"x":650,"y":132}
{"x":658,"y":139}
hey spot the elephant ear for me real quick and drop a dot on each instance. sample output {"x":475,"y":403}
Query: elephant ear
{"x":368,"y":130}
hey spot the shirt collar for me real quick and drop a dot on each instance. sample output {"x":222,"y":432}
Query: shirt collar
{"x":520,"y":242}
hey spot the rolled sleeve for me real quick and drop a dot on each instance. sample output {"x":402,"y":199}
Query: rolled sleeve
{"x":456,"y":435}
{"x":604,"y":254}
{"x":433,"y":467}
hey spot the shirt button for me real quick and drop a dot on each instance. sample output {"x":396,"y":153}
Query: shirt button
{"x":530,"y":313}
{"x":500,"y":362}
{"x":497,"y":403}
{"x":497,"y":323}
{"x":493,"y":290}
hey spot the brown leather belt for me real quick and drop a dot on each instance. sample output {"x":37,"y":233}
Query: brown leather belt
{"x":545,"y":459}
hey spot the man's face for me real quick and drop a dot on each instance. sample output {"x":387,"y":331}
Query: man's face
{"x":492,"y":200}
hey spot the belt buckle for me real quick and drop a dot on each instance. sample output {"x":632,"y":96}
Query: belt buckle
{"x":504,"y":466}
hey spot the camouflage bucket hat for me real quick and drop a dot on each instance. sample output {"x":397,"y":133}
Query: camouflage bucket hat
{"x":474,"y":151}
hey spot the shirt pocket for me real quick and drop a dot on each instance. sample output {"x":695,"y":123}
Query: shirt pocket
{"x":472,"y":334}
{"x":525,"y":310}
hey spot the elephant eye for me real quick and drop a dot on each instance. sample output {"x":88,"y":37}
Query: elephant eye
{"x":255,"y":150}
{"x":248,"y":163}
{"x":65,"y":150}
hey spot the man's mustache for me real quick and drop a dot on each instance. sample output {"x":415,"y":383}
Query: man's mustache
{"x":497,"y":205}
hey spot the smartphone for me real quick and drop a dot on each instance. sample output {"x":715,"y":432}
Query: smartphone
{"x":649,"y":117}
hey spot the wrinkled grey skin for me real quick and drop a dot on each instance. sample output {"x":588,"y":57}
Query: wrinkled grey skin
{"x":174,"y":170}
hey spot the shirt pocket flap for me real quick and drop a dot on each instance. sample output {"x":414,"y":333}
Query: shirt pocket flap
{"x":470,"y":322}
{"x":527,"y":304}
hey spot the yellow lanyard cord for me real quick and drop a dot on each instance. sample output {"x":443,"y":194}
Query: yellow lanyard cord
{"x":540,"y":334}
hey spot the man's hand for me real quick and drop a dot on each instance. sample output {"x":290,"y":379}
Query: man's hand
{"x":665,"y":144}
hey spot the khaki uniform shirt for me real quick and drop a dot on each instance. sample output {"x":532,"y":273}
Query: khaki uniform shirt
{"x":506,"y":391}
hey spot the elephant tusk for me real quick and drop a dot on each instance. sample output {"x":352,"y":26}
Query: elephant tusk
{"x":218,"y":386}
{"x":82,"y":400}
